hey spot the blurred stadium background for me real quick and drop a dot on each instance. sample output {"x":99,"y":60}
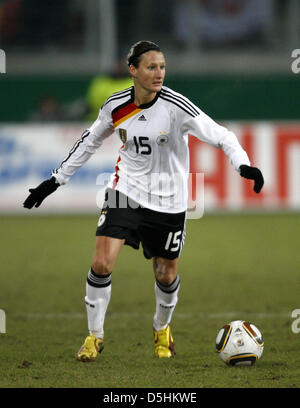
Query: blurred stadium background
{"x":233,"y":58}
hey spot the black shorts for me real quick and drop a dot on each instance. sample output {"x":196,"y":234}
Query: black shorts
{"x":161,"y":234}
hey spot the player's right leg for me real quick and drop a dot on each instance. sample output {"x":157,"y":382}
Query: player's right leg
{"x":98,"y":292}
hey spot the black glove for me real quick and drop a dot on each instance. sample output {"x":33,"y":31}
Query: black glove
{"x":38,"y":194}
{"x":252,"y":173}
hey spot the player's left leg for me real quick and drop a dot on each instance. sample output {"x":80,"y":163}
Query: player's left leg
{"x":167,"y":285}
{"x":98,"y":291}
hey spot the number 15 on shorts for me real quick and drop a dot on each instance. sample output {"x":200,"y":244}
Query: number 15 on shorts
{"x":173,"y":241}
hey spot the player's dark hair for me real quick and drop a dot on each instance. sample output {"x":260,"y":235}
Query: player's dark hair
{"x":138,"y":49}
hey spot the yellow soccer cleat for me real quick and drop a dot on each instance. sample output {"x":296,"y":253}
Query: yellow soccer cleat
{"x":90,"y":349}
{"x":164,"y":346}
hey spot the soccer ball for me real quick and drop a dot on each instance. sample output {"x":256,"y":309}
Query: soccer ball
{"x":239,"y":343}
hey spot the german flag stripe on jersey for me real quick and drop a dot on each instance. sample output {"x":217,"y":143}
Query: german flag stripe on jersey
{"x":116,"y":179}
{"x":124,"y":113}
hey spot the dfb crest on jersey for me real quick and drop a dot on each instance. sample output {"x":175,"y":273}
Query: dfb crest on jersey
{"x":162,"y":139}
{"x":123,"y":135}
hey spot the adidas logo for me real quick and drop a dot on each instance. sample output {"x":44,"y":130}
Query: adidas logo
{"x":142,"y":118}
{"x":238,"y":330}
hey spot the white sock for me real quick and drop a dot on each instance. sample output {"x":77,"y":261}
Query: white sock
{"x":166,"y":300}
{"x":98,"y":293}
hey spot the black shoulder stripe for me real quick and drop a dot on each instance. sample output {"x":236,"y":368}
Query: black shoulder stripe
{"x":75,"y":147}
{"x":180,"y":99}
{"x":189,"y":112}
{"x":118,"y":95}
{"x":120,"y":92}
{"x":115,"y":98}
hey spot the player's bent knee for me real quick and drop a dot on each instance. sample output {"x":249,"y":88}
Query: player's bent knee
{"x":101,"y":267}
{"x":168,"y":278}
{"x":165,"y":270}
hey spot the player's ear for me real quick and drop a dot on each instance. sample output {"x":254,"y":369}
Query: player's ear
{"x":132,"y":70}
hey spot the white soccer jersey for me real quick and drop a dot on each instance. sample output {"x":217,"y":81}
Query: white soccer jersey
{"x":153,"y":163}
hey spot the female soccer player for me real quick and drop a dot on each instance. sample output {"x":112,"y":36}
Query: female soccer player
{"x":146,"y":200}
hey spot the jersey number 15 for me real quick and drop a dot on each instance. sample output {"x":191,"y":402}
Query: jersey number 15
{"x":173,"y":241}
{"x":141,"y":146}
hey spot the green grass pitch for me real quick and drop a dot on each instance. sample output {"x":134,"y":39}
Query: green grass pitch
{"x":232,"y":267}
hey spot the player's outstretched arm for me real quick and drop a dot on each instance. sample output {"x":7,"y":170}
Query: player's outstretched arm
{"x":253,"y":173}
{"x":38,"y":194}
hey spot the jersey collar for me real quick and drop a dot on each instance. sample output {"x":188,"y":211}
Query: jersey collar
{"x":144,"y":105}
